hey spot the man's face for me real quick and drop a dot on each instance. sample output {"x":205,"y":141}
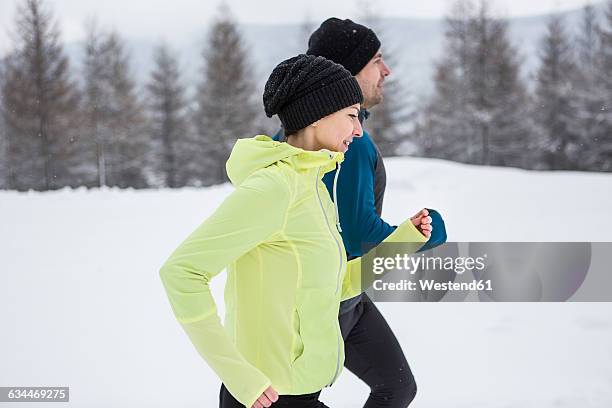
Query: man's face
{"x":371,"y":79}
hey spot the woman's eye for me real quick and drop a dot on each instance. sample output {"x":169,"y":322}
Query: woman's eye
{"x":353,"y":116}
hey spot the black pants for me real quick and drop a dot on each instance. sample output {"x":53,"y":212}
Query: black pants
{"x":371,"y":352}
{"x":226,"y":400}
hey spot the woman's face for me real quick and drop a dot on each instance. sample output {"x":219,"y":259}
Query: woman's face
{"x":335,"y":132}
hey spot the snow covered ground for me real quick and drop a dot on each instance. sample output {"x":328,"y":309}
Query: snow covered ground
{"x":82,"y":305}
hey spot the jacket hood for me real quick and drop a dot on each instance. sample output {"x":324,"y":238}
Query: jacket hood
{"x":251,"y":154}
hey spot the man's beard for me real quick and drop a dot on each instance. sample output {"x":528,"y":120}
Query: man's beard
{"x":376,"y":98}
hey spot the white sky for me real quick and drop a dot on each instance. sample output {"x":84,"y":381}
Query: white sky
{"x":174,"y":19}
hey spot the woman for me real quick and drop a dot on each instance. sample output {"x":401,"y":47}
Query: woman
{"x":277,"y":235}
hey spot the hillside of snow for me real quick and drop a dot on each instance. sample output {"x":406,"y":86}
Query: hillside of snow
{"x":82,"y":305}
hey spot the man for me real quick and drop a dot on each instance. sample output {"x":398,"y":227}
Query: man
{"x":372,"y":352}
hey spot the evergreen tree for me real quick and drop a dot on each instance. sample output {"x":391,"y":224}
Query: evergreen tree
{"x":553,"y":111}
{"x":478,"y":113}
{"x":602,"y":160}
{"x":225,"y":97}
{"x":445,"y":127}
{"x":97,"y":112}
{"x":391,"y":119}
{"x":4,"y":169}
{"x":130,"y":164}
{"x":587,"y":98}
{"x":3,"y":157}
{"x":114,"y":114}
{"x":498,"y":98}
{"x":40,"y":104}
{"x":167,"y":111}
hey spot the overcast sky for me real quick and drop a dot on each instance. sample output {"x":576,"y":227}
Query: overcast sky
{"x":177,"y":19}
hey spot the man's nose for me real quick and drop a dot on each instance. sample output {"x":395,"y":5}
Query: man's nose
{"x":386,"y":70}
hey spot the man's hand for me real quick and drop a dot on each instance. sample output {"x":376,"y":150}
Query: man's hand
{"x":268,"y":397}
{"x":422,"y":221}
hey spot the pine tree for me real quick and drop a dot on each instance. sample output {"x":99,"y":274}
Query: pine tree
{"x":587,"y":98}
{"x":445,"y":128}
{"x":96,"y":97}
{"x":4,"y":169}
{"x":225,"y":97}
{"x":603,"y":158}
{"x":478,"y":111}
{"x":130,"y":163}
{"x":114,"y":114}
{"x":389,"y":123}
{"x":40,"y":104}
{"x":498,"y":97}
{"x":587,"y":41}
{"x":167,"y":111}
{"x":553,"y":112}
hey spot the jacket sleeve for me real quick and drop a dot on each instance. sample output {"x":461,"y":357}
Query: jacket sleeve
{"x":239,"y":224}
{"x":361,"y":224}
{"x":406,"y":233}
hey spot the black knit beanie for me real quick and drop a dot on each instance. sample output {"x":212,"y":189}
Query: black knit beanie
{"x":306,"y":88}
{"x":345,"y":42}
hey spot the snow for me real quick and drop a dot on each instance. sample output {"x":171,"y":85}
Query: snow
{"x":82,"y":305}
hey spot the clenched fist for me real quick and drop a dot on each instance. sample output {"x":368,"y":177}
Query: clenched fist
{"x":422,"y":221}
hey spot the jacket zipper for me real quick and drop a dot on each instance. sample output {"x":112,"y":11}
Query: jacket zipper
{"x":339,"y":271}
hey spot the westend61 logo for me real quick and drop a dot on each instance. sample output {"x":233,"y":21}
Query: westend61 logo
{"x":489,"y":272}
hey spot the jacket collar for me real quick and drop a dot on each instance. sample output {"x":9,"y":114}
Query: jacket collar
{"x":364,"y":114}
{"x":251,"y":154}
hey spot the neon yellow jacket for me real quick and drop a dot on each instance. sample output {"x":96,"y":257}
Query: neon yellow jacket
{"x":286,"y":273}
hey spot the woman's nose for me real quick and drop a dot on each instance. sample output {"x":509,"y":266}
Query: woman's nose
{"x":358,"y":130}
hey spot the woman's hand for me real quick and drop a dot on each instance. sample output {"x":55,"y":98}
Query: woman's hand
{"x":422,"y":221}
{"x":268,"y":397}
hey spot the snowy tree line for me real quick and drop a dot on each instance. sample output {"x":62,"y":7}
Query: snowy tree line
{"x":100,"y":128}
{"x":483,"y":113}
